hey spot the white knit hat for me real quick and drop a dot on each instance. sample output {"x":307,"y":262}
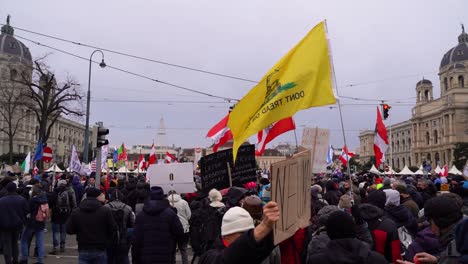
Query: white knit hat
{"x":236,"y":220}
{"x":215,"y":196}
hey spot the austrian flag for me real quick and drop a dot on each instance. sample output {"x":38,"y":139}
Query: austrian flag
{"x":170,"y":158}
{"x":380,"y":140}
{"x":271,"y":132}
{"x":345,"y":155}
{"x":220,"y":133}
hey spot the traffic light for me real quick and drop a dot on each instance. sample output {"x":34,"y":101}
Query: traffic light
{"x":99,"y":134}
{"x":385,"y":108}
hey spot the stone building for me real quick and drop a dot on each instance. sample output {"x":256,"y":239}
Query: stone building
{"x":16,"y":61}
{"x":437,"y":124}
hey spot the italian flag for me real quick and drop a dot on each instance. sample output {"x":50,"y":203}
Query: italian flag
{"x":26,"y":165}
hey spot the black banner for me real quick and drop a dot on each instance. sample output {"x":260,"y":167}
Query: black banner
{"x":214,"y":168}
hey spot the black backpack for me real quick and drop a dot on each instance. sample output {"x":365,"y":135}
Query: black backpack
{"x":119,"y":237}
{"x":63,"y":202}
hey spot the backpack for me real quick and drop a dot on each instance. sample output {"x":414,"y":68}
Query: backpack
{"x":120,"y":237}
{"x":42,"y":212}
{"x":63,"y":202}
{"x":405,"y":239}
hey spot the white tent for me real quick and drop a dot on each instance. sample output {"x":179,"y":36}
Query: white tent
{"x":390,"y":171}
{"x":374,"y":170}
{"x":139,"y":171}
{"x":421,"y":168}
{"x":455,"y":171}
{"x":405,"y":171}
{"x":419,"y":172}
{"x":438,"y":169}
{"x":54,"y":168}
{"x":124,"y":170}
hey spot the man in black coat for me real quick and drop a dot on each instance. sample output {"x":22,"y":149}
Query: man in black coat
{"x":344,"y":247}
{"x":241,"y":242}
{"x":94,"y":227}
{"x":157,"y":230}
{"x":333,"y":194}
{"x":14,"y":209}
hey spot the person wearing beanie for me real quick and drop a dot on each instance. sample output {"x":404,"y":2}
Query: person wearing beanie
{"x":184,"y":213}
{"x":377,"y":198}
{"x":62,"y":201}
{"x":241,"y":241}
{"x":124,"y":217}
{"x":94,"y":227}
{"x":157,"y":230}
{"x":405,"y":198}
{"x":235,"y":196}
{"x":444,"y":215}
{"x":384,"y":232}
{"x":333,"y":194}
{"x":215,"y":198}
{"x":344,"y":247}
{"x":13,"y":208}
{"x":320,"y":239}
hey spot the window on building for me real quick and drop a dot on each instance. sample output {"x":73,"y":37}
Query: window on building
{"x":13,"y":74}
{"x":398,"y":145}
{"x":404,"y":163}
{"x":428,"y":137}
{"x":436,"y":137}
{"x":403,"y":145}
{"x":409,"y":161}
{"x":398,"y":163}
{"x":451,"y":82}
{"x":461,"y":81}
{"x":445,"y":83}
{"x":409,"y":143}
{"x":426,"y":95}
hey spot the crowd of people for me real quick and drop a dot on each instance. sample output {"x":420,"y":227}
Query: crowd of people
{"x":363,"y":219}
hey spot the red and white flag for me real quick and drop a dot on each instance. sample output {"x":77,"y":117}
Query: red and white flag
{"x":266,"y":135}
{"x":35,"y":170}
{"x":170,"y":158}
{"x":220,"y":133}
{"x":444,"y":171}
{"x":92,"y":166}
{"x":345,"y":156}
{"x":380,"y":140}
{"x":141,"y":163}
{"x":152,"y":158}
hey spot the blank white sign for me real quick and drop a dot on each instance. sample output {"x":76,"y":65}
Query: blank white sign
{"x":172,"y":177}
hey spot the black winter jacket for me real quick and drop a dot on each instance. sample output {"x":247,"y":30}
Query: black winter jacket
{"x":347,"y":251}
{"x":402,"y":216}
{"x":157,"y":229}
{"x":244,"y":250}
{"x":13,"y":208}
{"x":93,"y":225}
{"x":34,"y":204}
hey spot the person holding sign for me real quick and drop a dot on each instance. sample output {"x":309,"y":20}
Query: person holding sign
{"x":241,"y":242}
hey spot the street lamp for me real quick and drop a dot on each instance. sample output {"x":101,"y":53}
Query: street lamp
{"x":86,"y":139}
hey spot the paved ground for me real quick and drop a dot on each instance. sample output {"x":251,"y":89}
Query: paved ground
{"x":71,"y":251}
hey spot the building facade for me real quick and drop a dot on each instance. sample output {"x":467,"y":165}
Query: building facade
{"x":437,"y":124}
{"x":16,"y":61}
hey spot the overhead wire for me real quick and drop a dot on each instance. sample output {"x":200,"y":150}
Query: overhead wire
{"x":129,"y":72}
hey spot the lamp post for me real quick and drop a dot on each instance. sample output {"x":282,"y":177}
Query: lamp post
{"x":86,"y":139}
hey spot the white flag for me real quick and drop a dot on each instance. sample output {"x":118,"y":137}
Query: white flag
{"x":104,"y":152}
{"x":75,"y":164}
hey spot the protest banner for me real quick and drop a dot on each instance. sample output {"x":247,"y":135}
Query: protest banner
{"x":317,"y":140}
{"x":290,"y":189}
{"x":172,"y":177}
{"x":215,"y":168}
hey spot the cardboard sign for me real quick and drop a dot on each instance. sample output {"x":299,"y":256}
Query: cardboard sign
{"x":290,"y":188}
{"x":215,"y":168}
{"x":317,"y":140}
{"x":172,"y":177}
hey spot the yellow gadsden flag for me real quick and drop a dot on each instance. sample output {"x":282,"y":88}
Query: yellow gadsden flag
{"x":300,"y":80}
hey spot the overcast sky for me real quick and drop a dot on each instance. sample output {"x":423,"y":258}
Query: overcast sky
{"x":381,"y":47}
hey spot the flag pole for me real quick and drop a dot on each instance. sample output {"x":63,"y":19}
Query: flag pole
{"x":339,"y":109}
{"x":295,"y":136}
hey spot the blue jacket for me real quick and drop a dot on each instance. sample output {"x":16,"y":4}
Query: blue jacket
{"x":157,"y":229}
{"x":14,"y":209}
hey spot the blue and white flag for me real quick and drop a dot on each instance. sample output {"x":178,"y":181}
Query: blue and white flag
{"x":330,"y":155}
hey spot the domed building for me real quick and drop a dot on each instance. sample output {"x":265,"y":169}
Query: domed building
{"x":15,"y":62}
{"x":437,"y":124}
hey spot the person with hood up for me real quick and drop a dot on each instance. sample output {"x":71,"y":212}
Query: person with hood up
{"x":138,"y":196}
{"x":14,"y":209}
{"x":241,"y":241}
{"x":443,"y":215}
{"x":35,"y":224}
{"x":184,"y":214}
{"x":78,"y":188}
{"x":333,"y":194}
{"x":157,"y":231}
{"x":320,"y":239}
{"x":62,"y":204}
{"x":94,"y":227}
{"x":398,"y":213}
{"x":344,"y":247}
{"x":235,"y":196}
{"x":406,"y":200}
{"x":384,"y":232}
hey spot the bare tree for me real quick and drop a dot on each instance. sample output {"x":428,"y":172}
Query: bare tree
{"x":12,"y":112}
{"x":48,"y":100}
